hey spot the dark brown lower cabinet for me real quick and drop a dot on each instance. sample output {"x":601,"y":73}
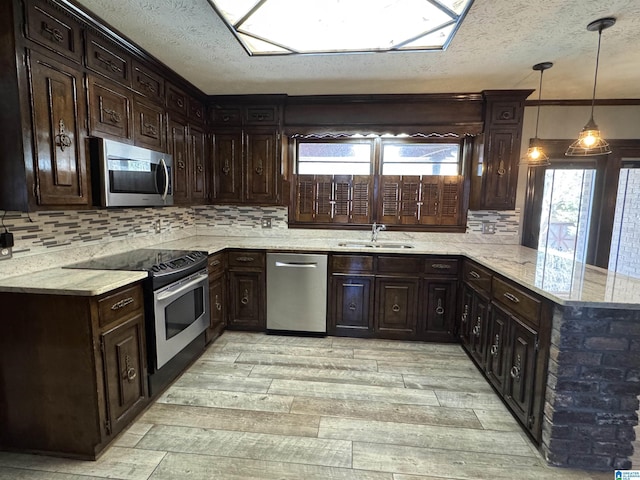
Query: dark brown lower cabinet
{"x":247,"y":287}
{"x":217,"y":303}
{"x":350,"y":305}
{"x":72,"y":369}
{"x":396,"y":307}
{"x":497,"y":343}
{"x":438,"y":310}
{"x":478,"y":328}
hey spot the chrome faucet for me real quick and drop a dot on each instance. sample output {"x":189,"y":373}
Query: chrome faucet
{"x":375,"y":230}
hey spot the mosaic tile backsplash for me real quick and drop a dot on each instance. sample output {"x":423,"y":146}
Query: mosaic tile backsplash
{"x":47,"y":232}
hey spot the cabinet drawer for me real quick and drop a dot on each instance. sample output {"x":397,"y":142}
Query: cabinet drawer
{"x":176,"y":99}
{"x":351,"y":263}
{"x":119,"y":305}
{"x":52,"y":28}
{"x":441,"y":266}
{"x":399,"y":264}
{"x":216,"y":263}
{"x":108,"y":60}
{"x":148,"y":83}
{"x":261,"y":115}
{"x":517,"y":300}
{"x":477,"y":276}
{"x":226,"y":116}
{"x":246,"y":258}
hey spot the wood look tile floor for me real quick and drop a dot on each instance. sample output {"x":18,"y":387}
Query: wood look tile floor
{"x":270,"y":407}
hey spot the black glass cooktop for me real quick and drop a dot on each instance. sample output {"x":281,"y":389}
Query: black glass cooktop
{"x":152,"y":260}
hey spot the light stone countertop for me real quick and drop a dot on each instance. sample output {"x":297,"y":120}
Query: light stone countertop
{"x":559,"y":279}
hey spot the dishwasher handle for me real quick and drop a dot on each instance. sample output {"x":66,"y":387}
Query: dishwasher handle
{"x":297,"y":264}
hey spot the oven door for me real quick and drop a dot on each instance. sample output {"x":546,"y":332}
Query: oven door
{"x":181,"y":314}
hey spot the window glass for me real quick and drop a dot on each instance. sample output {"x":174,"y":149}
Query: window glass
{"x":624,"y":256}
{"x":420,"y":158}
{"x":334,"y":158}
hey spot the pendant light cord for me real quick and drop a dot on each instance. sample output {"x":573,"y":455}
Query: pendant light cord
{"x":595,"y":79}
{"x":539,"y":97}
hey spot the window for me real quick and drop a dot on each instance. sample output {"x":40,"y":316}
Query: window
{"x":624,"y":256}
{"x":396,"y":181}
{"x":278,"y":27}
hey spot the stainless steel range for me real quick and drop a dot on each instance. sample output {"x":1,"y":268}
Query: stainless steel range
{"x":176,"y":306}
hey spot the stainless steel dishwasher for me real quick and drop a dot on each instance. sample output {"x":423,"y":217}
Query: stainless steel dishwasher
{"x":296,"y":292}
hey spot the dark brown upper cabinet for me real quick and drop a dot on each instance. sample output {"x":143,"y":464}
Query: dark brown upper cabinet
{"x":105,"y":58}
{"x":54,"y":29}
{"x":245,"y":147}
{"x":496,"y":153}
{"x":109,"y":109}
{"x":148,"y":83}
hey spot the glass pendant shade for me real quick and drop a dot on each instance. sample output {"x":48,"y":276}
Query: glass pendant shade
{"x":590,"y":141}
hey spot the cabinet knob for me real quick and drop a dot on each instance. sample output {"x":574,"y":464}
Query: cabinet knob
{"x":352,"y":307}
{"x":54,"y":33}
{"x":439,"y":308}
{"x":395,"y":308}
{"x":245,"y":297}
{"x":62,"y":139}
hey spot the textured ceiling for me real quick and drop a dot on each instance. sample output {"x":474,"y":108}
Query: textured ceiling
{"x":495,"y":48}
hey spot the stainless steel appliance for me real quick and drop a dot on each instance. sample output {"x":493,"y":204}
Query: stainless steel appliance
{"x":129,"y":176}
{"x":296,"y":293}
{"x":176,"y":306}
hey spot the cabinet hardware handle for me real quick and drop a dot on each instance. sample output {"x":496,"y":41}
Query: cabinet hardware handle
{"x":259,"y":117}
{"x":226,"y":118}
{"x":215,"y":263}
{"x":512,"y":297}
{"x":181,"y":165}
{"x":476,"y":330}
{"x":465,"y":314}
{"x":112,"y":115}
{"x":226,"y":167}
{"x":62,"y":139}
{"x":150,"y":129}
{"x":196,"y":112}
{"x":474,"y":274}
{"x":395,"y":308}
{"x":245,"y":297}
{"x":515,"y":373}
{"x":148,"y":86}
{"x":179,"y":102}
{"x":441,"y":266}
{"x":218,"y":304}
{"x":439,"y":308}
{"x":259,"y":168}
{"x":352,"y":307}
{"x":501,"y":169}
{"x":245,"y":259}
{"x":54,"y":33}
{"x":496,"y":346}
{"x":122,"y":303}
{"x":108,"y":63}
{"x":130,"y":372}
{"x":200,"y":168}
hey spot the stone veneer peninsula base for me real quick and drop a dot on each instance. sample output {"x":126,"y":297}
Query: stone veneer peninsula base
{"x":593,"y":385}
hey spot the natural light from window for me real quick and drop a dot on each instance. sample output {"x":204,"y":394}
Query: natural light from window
{"x":282,"y":27}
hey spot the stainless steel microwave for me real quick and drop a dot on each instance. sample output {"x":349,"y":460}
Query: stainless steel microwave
{"x":128,"y":176}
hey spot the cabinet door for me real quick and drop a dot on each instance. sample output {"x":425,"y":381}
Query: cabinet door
{"x":125,"y":373}
{"x":479,"y":320}
{"x":438,"y":314}
{"x":501,"y":169}
{"x":217,"y":300}
{"x":109,"y":110}
{"x":497,"y":346}
{"x":178,"y":149}
{"x":465,"y":321}
{"x":350,"y":305}
{"x":521,"y":370}
{"x":148,"y":126}
{"x":197,"y":159}
{"x":396,"y":307}
{"x":262,"y":166}
{"x":247,"y":301}
{"x":59,"y":118}
{"x":227,"y":166}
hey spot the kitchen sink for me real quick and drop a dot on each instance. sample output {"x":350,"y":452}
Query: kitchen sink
{"x":374,"y":245}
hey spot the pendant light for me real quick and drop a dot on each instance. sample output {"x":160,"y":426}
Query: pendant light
{"x":589,"y":141}
{"x":535,"y":156}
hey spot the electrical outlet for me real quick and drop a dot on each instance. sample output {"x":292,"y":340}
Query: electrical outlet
{"x":157,"y":226}
{"x":265,"y":222}
{"x":5,"y":253}
{"x":488,"y":227}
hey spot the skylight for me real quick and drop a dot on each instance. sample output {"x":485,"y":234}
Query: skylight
{"x":284,"y":27}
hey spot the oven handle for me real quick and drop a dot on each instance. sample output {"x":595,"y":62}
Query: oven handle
{"x":172,"y":293}
{"x":166,"y":178}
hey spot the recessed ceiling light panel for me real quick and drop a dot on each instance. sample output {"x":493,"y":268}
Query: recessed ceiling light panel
{"x":277,"y":27}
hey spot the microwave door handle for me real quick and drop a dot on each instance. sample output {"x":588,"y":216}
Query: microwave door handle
{"x":171,"y":293}
{"x":166,"y":178}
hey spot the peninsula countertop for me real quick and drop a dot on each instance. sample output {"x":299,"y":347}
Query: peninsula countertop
{"x":558,"y":278}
